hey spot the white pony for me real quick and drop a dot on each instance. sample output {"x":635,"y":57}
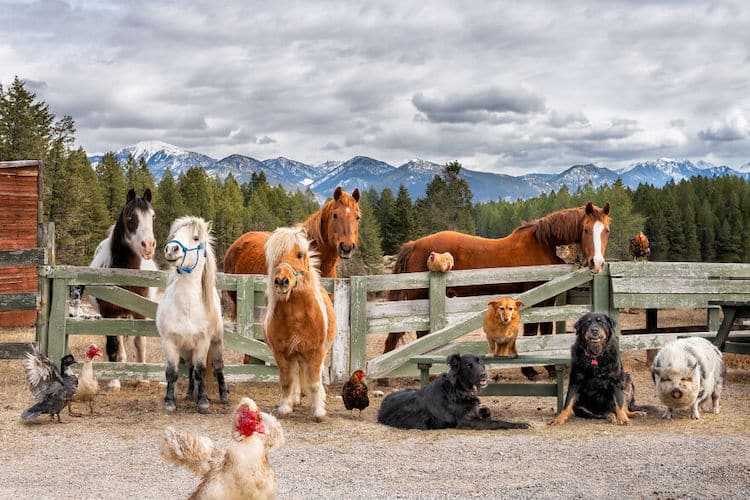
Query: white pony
{"x":130,"y":244}
{"x":189,"y":314}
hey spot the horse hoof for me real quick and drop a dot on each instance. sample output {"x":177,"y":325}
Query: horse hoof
{"x":204,"y":409}
{"x":169,"y":407}
{"x":113,"y":386}
{"x":321,"y":418}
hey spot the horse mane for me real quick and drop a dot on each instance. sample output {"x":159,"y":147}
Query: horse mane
{"x":208,"y":279}
{"x":281,"y":241}
{"x":558,"y":228}
{"x":317,"y":231}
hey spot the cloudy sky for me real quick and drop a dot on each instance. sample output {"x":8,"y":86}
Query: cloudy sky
{"x":508,"y":87}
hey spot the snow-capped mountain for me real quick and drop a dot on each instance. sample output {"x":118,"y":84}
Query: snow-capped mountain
{"x":362,"y":172}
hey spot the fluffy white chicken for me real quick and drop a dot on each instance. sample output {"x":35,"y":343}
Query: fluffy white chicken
{"x":241,"y":470}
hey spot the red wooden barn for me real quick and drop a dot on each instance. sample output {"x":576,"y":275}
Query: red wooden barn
{"x":21,"y":209}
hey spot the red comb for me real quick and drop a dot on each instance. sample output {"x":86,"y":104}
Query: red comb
{"x":249,"y":422}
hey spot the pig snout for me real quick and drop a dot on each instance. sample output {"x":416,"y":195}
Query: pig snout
{"x":676,"y":393}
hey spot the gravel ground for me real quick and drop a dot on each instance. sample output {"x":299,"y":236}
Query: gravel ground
{"x":116,"y":454}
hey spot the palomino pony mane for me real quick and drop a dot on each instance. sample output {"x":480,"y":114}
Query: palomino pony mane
{"x":558,"y":228}
{"x":208,"y":279}
{"x":281,"y":241}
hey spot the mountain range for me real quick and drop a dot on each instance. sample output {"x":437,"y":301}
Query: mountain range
{"x":362,"y":172}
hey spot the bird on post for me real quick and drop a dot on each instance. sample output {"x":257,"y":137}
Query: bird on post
{"x":639,"y":247}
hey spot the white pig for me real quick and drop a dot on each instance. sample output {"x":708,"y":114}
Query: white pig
{"x":686,"y":372}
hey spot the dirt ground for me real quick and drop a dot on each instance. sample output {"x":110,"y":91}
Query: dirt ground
{"x":116,"y":454}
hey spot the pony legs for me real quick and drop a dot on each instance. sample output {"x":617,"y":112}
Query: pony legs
{"x":170,"y":374}
{"x":288,"y":376}
{"x":115,"y":352}
{"x":314,"y":387}
{"x":216,"y":359}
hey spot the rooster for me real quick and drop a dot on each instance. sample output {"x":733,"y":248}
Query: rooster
{"x":88,"y":386}
{"x":52,"y":388}
{"x":440,"y":262}
{"x":639,"y":247}
{"x":242,"y":469}
{"x":354,"y":392}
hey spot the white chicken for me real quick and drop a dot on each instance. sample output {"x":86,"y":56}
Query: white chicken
{"x":88,"y":385}
{"x":241,"y":470}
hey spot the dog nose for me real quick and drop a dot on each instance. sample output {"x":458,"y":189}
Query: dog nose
{"x":677,"y":394}
{"x":284,"y":282}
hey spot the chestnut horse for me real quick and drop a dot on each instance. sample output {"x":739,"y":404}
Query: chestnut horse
{"x":333,"y":232}
{"x":532,"y":243}
{"x":300,"y":325}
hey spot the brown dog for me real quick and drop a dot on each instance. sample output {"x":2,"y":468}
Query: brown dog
{"x":501,"y":324}
{"x":440,"y":262}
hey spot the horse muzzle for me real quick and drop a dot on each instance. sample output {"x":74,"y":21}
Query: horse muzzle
{"x":346,"y":251}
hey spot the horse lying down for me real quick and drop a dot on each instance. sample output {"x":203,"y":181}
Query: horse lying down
{"x":449,"y":401}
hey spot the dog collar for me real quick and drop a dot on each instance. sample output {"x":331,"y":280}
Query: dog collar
{"x":594,"y":359}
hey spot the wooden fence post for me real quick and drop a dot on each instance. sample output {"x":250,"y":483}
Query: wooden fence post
{"x":358,"y":323}
{"x":340,"y":349}
{"x":600,"y":292}
{"x":45,"y":234}
{"x":438,"y":318}
{"x":57,"y":339}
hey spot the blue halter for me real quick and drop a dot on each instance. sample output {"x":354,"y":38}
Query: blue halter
{"x":187,"y":270}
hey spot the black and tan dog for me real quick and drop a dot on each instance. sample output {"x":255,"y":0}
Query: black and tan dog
{"x":598,"y":385}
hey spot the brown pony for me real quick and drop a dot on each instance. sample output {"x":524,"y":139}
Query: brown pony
{"x":300,"y":325}
{"x":532,"y":243}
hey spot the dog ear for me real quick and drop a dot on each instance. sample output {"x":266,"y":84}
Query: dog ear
{"x":579,"y":324}
{"x":454,"y":361}
{"x":520,"y":304}
{"x":610,"y":324}
{"x":493,"y":303}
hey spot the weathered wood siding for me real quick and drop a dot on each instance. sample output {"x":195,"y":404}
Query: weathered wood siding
{"x":20,"y":204}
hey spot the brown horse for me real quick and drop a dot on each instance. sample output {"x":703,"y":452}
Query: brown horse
{"x":300,"y":325}
{"x":333,"y":232}
{"x":532,"y":243}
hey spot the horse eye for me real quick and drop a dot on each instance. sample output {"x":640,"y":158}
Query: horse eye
{"x":195,"y":238}
{"x":299,"y":255}
{"x":335,"y":216}
{"x":586,"y":230}
{"x":359,"y":217}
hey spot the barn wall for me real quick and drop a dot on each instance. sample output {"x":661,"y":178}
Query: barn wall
{"x":20,"y":204}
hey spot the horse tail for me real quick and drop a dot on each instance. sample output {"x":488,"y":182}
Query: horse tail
{"x":402,"y":260}
{"x":402,"y":266}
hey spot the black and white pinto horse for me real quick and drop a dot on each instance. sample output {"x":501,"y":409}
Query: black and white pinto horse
{"x":130,"y":245}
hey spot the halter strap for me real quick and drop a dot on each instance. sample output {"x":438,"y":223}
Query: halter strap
{"x":187,"y":270}
{"x":294,"y":272}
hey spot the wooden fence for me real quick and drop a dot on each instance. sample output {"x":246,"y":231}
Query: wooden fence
{"x":361,"y":313}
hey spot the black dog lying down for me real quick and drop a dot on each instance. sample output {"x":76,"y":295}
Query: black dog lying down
{"x":448,"y":401}
{"x":598,"y":387}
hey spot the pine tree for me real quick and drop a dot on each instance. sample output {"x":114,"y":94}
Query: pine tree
{"x":25,"y":124}
{"x":111,"y":178}
{"x":194,"y":185}
{"x":168,"y":205}
{"x":447,"y":203}
{"x":230,"y":215}
{"x":405,"y":226}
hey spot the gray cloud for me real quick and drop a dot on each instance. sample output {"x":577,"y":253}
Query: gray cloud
{"x":495,"y":104}
{"x":505,"y":87}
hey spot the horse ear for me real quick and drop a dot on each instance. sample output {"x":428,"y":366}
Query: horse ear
{"x":131,"y":196}
{"x":337,"y":193}
{"x":355,"y":194}
{"x":605,"y":208}
{"x":589,"y":208}
{"x":147,"y":195}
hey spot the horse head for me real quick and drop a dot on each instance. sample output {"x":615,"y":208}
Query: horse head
{"x":135,"y":226}
{"x":189,"y":247}
{"x":290,"y":261}
{"x":343,"y":222}
{"x":595,"y":235}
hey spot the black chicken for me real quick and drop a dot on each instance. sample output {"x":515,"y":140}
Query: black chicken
{"x":639,"y":247}
{"x":354,"y":392}
{"x":50,"y":388}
